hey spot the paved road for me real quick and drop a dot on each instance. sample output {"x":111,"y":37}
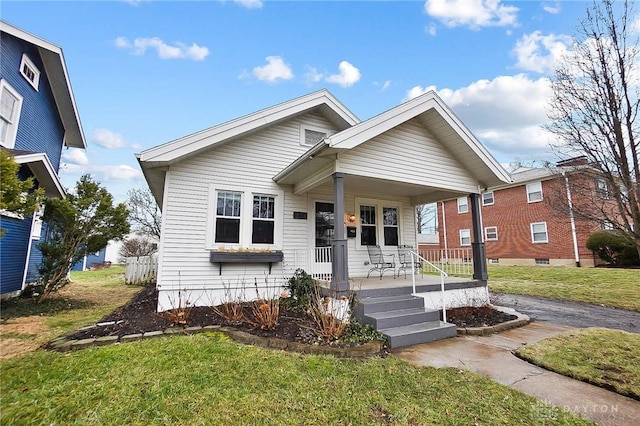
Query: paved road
{"x":571,"y":314}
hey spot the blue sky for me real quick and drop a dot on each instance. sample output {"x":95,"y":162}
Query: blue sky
{"x":147,"y":72}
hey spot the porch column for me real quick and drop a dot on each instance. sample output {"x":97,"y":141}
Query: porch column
{"x":477,"y":246}
{"x":339,"y":260}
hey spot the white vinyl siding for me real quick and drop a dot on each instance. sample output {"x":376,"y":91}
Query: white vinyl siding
{"x":189,"y":208}
{"x":539,"y":232}
{"x":534,"y":192}
{"x":488,"y":198}
{"x":420,"y":160}
{"x":10,"y":107}
{"x":463,"y":205}
{"x":465,"y":237}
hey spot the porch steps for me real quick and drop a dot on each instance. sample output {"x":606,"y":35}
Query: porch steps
{"x":403,"y":319}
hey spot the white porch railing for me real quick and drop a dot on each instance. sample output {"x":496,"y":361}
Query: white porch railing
{"x":141,"y":270}
{"x":416,"y":258}
{"x":458,"y":261}
{"x":315,"y":262}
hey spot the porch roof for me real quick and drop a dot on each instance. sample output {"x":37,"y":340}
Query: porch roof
{"x":457,"y":144}
{"x":42,"y":169}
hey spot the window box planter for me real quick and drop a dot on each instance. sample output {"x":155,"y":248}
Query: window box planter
{"x":222,"y":257}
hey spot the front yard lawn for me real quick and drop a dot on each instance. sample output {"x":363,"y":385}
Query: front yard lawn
{"x":604,"y":357}
{"x":208,"y":379}
{"x":612,"y":287}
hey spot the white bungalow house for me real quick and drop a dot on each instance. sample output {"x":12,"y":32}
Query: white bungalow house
{"x":305,"y":184}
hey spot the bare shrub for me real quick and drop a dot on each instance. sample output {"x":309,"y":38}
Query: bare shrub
{"x":232,"y":303}
{"x":330,"y":314}
{"x":180,"y":308}
{"x":265,"y":310}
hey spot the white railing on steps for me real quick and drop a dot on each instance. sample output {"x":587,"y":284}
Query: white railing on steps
{"x":414,"y":258}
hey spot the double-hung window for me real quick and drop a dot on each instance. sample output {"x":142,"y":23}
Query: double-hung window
{"x":534,"y":192}
{"x":368,"y":226}
{"x":10,"y":106}
{"x":602,"y":189}
{"x":244,"y":218}
{"x":379,"y":222}
{"x":263,"y":219}
{"x":487,"y":198}
{"x":228,"y":214}
{"x":491,"y":233}
{"x":539,"y":232}
{"x":465,"y":237}
{"x":463,"y":205}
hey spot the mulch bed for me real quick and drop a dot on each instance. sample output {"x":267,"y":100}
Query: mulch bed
{"x":139,"y":316}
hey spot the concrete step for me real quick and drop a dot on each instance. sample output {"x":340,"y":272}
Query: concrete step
{"x":419,"y":333}
{"x":370,"y":305}
{"x":399,"y":318}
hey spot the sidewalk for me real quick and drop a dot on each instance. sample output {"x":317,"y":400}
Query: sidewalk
{"x":491,"y":356}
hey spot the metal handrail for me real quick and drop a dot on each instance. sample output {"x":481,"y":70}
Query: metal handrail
{"x":443,"y":274}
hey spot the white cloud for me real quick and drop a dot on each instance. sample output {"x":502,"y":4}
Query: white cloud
{"x":75,"y":156}
{"x":472,"y":13}
{"x":553,"y":9}
{"x":103,"y":173}
{"x":348,"y":76}
{"x":274,"y":70}
{"x":540,"y":53}
{"x":178,"y":51}
{"x":249,"y":4}
{"x":431,"y":29}
{"x":108,"y":139}
{"x":313,"y":76}
{"x":505,"y":113}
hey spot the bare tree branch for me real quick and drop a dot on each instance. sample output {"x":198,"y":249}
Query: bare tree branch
{"x":144,"y":213}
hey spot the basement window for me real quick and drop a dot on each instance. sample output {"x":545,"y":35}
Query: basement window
{"x":29,"y":71}
{"x":542,"y":261}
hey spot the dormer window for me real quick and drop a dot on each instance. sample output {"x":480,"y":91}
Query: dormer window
{"x":29,"y":71}
{"x":310,"y":136}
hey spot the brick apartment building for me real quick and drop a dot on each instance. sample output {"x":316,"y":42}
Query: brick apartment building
{"x":520,"y":225}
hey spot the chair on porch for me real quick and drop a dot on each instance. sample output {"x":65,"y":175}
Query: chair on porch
{"x":381,"y":262}
{"x":405,"y":260}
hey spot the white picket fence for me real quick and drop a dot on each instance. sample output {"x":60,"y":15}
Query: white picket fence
{"x":141,"y":270}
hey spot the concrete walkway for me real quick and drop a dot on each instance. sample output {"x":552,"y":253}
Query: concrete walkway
{"x":491,"y":356}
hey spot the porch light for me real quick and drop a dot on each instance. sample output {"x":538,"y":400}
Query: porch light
{"x":351,"y":218}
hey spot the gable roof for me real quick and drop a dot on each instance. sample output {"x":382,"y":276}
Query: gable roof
{"x":153,"y":161}
{"x":434,"y":115}
{"x":42,"y":169}
{"x":56,"y":71}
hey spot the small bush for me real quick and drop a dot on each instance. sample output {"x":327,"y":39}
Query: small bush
{"x":357,"y":332}
{"x":301,"y":288}
{"x":613,"y":248}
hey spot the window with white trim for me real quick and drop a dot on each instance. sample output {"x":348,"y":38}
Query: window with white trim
{"x":539,"y":232}
{"x":368,"y":226}
{"x":228,"y":217}
{"x":244,"y":218}
{"x":10,"y":107}
{"x":491,"y":233}
{"x":602,"y":189}
{"x":379,"y":223}
{"x":465,"y":237}
{"x":488,"y":198}
{"x":263,"y":219}
{"x":534,"y":192}
{"x":309,"y":136}
{"x":463,"y":205}
{"x":606,"y":225}
{"x":29,"y":71}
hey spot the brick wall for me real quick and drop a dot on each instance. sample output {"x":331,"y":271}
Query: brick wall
{"x":513,"y":215}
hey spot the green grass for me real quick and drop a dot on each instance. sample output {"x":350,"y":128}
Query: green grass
{"x":618,"y":288}
{"x":607,"y":358}
{"x":208,"y":379}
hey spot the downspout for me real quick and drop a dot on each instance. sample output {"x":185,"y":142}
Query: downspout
{"x":26,"y":262}
{"x":444,"y":231}
{"x":573,"y":220}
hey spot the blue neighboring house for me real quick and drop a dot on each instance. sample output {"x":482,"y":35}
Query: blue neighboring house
{"x":38,"y":117}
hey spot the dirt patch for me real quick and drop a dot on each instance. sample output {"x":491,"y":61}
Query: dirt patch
{"x":12,"y":347}
{"x":31,"y":325}
{"x":482,"y":316}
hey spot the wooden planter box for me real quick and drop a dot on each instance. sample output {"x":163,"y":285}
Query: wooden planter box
{"x":222,"y":257}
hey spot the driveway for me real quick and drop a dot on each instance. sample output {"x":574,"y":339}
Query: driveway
{"x":571,"y":314}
